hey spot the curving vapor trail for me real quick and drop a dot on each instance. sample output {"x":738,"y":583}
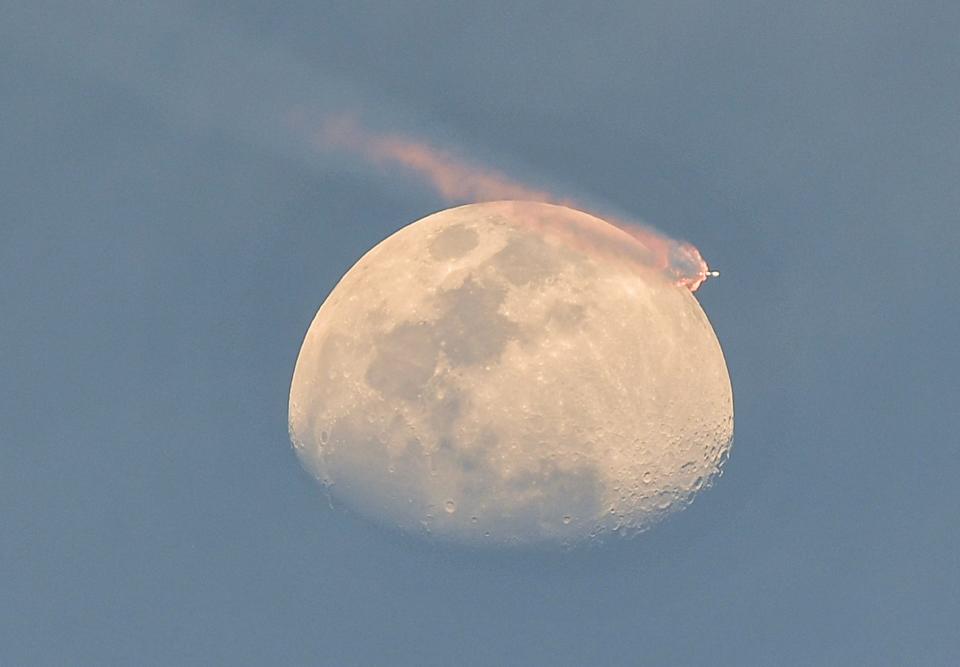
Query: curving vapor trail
{"x":206,"y":73}
{"x":457,"y":180}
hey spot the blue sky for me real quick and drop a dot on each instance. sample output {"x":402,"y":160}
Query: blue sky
{"x":166,"y":240}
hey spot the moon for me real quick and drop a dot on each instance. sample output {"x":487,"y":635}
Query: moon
{"x":493,"y":374}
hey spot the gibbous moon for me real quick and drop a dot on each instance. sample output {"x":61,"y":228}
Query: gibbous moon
{"x":493,"y":374}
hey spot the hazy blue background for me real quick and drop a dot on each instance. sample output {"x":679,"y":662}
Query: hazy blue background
{"x":165,"y":241}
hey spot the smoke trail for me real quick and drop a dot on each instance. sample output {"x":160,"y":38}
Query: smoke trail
{"x":458,"y":181}
{"x":217,"y":77}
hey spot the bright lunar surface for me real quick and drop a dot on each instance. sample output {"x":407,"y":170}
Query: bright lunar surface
{"x":495,"y":373}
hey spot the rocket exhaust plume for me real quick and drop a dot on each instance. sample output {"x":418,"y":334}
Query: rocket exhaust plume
{"x":458,"y":181}
{"x":204,"y":85}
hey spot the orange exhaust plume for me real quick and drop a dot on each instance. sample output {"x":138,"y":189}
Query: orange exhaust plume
{"x":459,"y":181}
